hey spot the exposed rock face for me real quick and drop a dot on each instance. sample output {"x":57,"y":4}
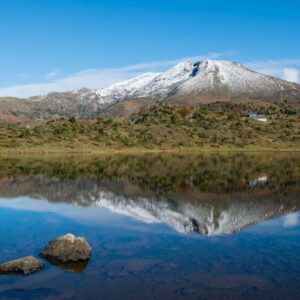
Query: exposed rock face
{"x":67,"y":248}
{"x":25,"y":266}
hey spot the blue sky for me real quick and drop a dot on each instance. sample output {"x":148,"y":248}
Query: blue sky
{"x":64,"y":44}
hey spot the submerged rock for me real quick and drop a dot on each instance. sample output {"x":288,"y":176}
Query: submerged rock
{"x":76,"y":267}
{"x":25,"y":266}
{"x":67,"y":248}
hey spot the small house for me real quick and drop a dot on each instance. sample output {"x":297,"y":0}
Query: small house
{"x":261,"y":180}
{"x":258,"y":117}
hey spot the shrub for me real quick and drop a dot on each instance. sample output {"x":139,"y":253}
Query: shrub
{"x":72,"y":119}
{"x":184,"y":111}
{"x":24,"y":133}
{"x":204,"y":110}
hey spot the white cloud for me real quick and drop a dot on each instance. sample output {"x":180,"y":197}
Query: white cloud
{"x":291,"y":75}
{"x":95,"y":78}
{"x":86,"y":78}
{"x":287,"y":69}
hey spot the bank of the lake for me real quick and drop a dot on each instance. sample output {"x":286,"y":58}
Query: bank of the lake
{"x":90,"y":149}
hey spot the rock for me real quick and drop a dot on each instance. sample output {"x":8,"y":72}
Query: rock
{"x":67,"y":248}
{"x":25,"y":266}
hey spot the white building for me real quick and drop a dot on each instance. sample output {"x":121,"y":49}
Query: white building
{"x":258,"y":117}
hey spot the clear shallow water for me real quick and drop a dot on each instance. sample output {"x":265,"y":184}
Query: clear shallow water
{"x":161,"y":227}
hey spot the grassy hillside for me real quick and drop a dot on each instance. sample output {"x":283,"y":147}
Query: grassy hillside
{"x":163,"y":127}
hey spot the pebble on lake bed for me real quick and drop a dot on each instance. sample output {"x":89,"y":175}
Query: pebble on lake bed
{"x":67,"y":248}
{"x":26,"y":265}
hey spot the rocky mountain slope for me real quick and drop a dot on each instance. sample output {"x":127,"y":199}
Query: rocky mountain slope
{"x":186,"y":83}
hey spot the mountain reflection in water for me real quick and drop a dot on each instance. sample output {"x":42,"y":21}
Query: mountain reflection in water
{"x":206,"y":194}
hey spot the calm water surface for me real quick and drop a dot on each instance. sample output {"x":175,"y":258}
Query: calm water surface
{"x":160,"y":226}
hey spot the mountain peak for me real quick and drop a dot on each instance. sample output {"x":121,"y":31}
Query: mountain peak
{"x":184,"y":66}
{"x":208,"y":79}
{"x":217,"y":78}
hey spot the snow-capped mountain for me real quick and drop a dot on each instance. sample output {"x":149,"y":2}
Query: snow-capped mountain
{"x":223,"y":79}
{"x":218,"y":79}
{"x":186,"y":83}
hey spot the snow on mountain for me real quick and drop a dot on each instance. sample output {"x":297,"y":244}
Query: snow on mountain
{"x":221,"y":78}
{"x":126,"y":88}
{"x":162,"y":85}
{"x":187,"y":82}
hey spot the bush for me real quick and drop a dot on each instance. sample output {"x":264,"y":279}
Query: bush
{"x":72,"y":120}
{"x":201,"y":112}
{"x":100,"y":120}
{"x":184,"y":111}
{"x":24,"y":133}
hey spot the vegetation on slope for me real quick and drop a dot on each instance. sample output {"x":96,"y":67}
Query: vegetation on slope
{"x":163,"y":126}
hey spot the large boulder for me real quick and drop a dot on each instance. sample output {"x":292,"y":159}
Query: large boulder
{"x":25,"y":266}
{"x":67,"y":248}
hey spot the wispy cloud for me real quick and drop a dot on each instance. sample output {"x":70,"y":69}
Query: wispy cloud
{"x":287,"y":69}
{"x":99,"y":78}
{"x":291,"y":75}
{"x":86,"y":78}
{"x":53,"y":73}
{"x":161,"y":65}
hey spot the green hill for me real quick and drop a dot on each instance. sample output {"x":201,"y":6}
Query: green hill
{"x":218,"y":126}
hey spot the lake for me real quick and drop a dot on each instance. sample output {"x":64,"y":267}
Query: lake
{"x":161,"y":226}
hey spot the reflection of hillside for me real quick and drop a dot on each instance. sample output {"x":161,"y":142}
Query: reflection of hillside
{"x":209,"y":194}
{"x":184,"y":209}
{"x":79,"y":192}
{"x":162,"y":174}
